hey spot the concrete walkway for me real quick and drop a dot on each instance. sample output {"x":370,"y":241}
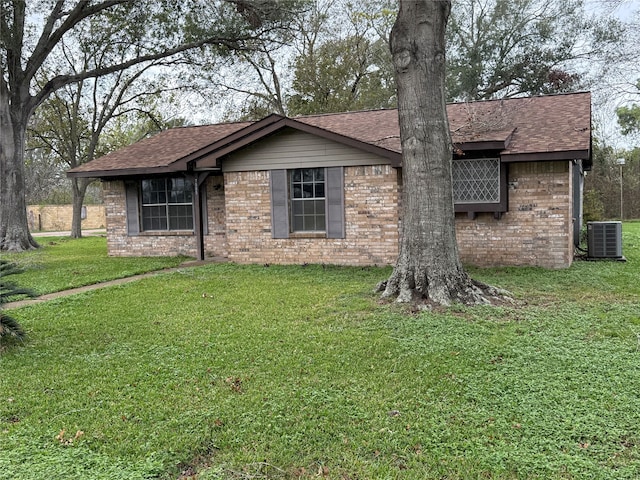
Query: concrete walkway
{"x":87,"y":288}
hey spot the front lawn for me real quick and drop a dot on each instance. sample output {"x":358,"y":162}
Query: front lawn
{"x":63,"y":263}
{"x":244,"y":372}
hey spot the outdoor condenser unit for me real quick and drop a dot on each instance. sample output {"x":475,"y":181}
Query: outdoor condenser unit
{"x":604,"y":239}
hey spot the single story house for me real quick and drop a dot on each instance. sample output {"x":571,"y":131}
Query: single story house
{"x":327,"y":188}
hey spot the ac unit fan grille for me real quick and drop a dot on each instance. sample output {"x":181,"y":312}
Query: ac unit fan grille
{"x":604,"y":239}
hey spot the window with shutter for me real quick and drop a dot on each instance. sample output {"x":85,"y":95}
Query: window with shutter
{"x":307,"y":196}
{"x":307,"y":201}
{"x":166,"y":204}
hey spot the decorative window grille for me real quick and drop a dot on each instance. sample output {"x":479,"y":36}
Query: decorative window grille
{"x":307,"y":200}
{"x":476,"y":180}
{"x":167,"y":204}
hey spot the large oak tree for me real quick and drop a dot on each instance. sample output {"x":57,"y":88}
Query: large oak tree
{"x":428,"y":266}
{"x":31,"y":43}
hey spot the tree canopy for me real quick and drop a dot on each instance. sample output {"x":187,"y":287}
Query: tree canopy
{"x":126,"y":33}
{"x":352,"y":73}
{"x":629,"y":115}
{"x":629,"y":119}
{"x":503,"y":48}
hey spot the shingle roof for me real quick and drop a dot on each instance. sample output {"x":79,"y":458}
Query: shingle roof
{"x":522,"y":127}
{"x":161,"y":150}
{"x":552,"y":123}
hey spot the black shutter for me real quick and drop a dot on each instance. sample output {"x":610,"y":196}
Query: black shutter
{"x":279,"y":204}
{"x":133,"y":217}
{"x":335,"y":202}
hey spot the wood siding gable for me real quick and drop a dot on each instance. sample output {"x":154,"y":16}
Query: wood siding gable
{"x":290,"y":148}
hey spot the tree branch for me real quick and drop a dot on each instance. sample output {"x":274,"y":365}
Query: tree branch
{"x":49,"y":38}
{"x":62,"y":80}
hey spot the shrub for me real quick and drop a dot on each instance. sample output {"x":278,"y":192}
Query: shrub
{"x":593,"y":207}
{"x":9,"y":327}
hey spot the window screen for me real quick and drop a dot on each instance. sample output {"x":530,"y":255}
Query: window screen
{"x":476,"y":180}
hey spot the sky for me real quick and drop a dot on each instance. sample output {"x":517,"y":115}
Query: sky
{"x":605,"y":97}
{"x":608,"y":98}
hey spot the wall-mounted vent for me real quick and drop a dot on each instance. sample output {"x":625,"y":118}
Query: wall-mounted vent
{"x":604,"y":239}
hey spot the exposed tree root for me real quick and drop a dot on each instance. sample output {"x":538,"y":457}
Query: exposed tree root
{"x":461,"y":289}
{"x":18,"y":243}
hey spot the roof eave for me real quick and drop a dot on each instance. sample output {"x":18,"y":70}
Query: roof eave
{"x":127,"y":172}
{"x":232,"y":138}
{"x":546,"y":156}
{"x":475,"y":146}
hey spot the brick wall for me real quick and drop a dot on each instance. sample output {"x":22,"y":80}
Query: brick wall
{"x":537,"y":229}
{"x":371,"y":217}
{"x":215,"y":242}
{"x":119,"y":244}
{"x":58,"y":217}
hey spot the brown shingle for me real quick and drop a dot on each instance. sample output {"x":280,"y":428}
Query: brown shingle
{"x":545,"y":124}
{"x":162,"y":149}
{"x":553,"y":123}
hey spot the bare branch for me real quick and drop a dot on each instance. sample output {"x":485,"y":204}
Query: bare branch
{"x":61,"y":80}
{"x":49,"y":39}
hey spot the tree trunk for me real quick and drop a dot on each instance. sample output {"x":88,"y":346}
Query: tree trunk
{"x":79,"y":187}
{"x":14,"y":227}
{"x":428,"y":266}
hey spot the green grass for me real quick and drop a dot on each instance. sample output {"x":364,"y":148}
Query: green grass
{"x":247,"y":372}
{"x":63,"y":263}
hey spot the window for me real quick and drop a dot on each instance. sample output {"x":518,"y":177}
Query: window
{"x":307,"y":200}
{"x":167,"y":204}
{"x":479,"y":184}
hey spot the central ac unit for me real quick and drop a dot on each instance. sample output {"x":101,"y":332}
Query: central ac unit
{"x":604,"y":239}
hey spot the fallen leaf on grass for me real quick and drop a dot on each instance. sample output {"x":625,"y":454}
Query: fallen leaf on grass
{"x":61,"y":437}
{"x":235,"y":383}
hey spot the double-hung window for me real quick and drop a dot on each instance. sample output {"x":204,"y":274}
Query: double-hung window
{"x":167,"y":204}
{"x":307,"y":196}
{"x":307,"y":202}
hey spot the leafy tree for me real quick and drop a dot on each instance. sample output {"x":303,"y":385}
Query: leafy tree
{"x":602,"y":184}
{"x":254,"y":83}
{"x":497,"y":48}
{"x":346,"y":67}
{"x":629,"y":116}
{"x":72,"y":122}
{"x":342,"y":75}
{"x":149,"y":30}
{"x":503,"y":48}
{"x":629,"y":119}
{"x":45,"y":179}
{"x":9,"y":326}
{"x":428,"y":266}
{"x":334,"y":58}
